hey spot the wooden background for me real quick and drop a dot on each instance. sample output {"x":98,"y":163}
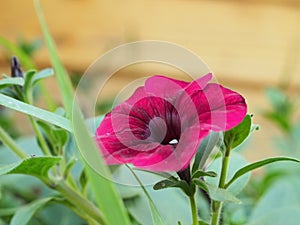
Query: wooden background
{"x":249,"y":45}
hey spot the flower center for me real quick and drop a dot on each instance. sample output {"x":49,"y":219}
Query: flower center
{"x":156,"y":120}
{"x":163,"y":131}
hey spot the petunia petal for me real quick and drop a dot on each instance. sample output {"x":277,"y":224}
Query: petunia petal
{"x":219,"y":108}
{"x":198,"y":84}
{"x":177,"y":158}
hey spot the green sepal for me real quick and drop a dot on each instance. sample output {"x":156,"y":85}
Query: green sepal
{"x":238,"y":134}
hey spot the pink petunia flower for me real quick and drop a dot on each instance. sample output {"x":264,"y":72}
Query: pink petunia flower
{"x":161,"y":125}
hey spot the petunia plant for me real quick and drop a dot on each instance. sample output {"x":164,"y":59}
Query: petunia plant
{"x":162,"y":125}
{"x":171,"y":129}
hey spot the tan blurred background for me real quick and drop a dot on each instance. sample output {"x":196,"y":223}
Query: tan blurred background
{"x":249,"y":45}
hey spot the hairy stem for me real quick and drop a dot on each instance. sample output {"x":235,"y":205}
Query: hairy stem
{"x":194,"y":210}
{"x":216,"y":205}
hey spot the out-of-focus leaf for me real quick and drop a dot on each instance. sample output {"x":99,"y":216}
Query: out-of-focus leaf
{"x":156,"y":217}
{"x":205,"y":148}
{"x":100,"y":183}
{"x":140,"y":210}
{"x":13,"y":48}
{"x":279,"y":205}
{"x":282,"y":108}
{"x":41,"y":75}
{"x":6,"y":82}
{"x":286,"y":216}
{"x":28,"y":77}
{"x":25,"y":213}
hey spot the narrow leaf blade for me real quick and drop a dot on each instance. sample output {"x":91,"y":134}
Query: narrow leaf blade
{"x":25,"y":213}
{"x":35,"y":111}
{"x":41,"y":75}
{"x":156,"y":217}
{"x":5,"y":82}
{"x":256,"y":165}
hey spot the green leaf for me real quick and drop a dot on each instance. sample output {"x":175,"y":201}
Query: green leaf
{"x":256,"y":165}
{"x":168,"y":201}
{"x":163,"y":184}
{"x":216,"y":193}
{"x":286,"y":216}
{"x":28,"y":77}
{"x":25,"y":213}
{"x":57,"y":137}
{"x":183,"y":185}
{"x":62,"y":77}
{"x":282,"y":110}
{"x":31,"y":79}
{"x":200,"y":173}
{"x":201,"y":222}
{"x":285,"y":195}
{"x":35,"y":111}
{"x":98,"y":173}
{"x":35,"y":166}
{"x":83,"y":180}
{"x":6,"y":82}
{"x":277,"y":98}
{"x":60,"y":135}
{"x":41,"y":75}
{"x":206,"y":147}
{"x":156,"y":217}
{"x":238,"y":134}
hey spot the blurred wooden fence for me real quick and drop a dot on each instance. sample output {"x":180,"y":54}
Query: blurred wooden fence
{"x":248,"y":44}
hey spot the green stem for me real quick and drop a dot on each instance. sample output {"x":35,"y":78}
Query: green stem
{"x":81,"y":213}
{"x":28,"y":99}
{"x":80,"y":202}
{"x":40,"y":137}
{"x":216,"y":212}
{"x":194,"y":210}
{"x":224,"y":171}
{"x":216,"y":205}
{"x":10,"y":143}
